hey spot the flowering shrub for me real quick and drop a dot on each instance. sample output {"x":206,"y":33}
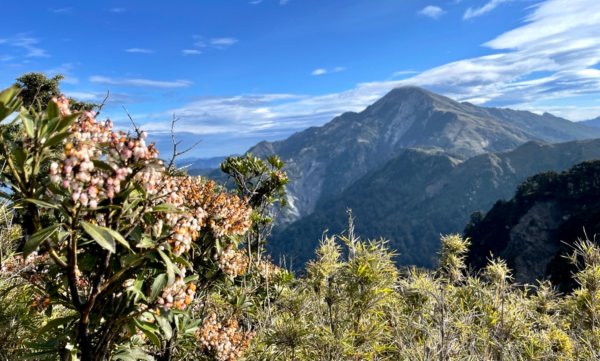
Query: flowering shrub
{"x":116,"y":244}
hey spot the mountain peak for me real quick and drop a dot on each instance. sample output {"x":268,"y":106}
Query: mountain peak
{"x":413,"y":96}
{"x":408,"y":91}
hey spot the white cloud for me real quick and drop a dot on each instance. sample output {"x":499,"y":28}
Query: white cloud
{"x":319,"y":71}
{"x":65,"y":70}
{"x":223,"y":42}
{"x":283,"y":2}
{"x":323,"y":71}
{"x":191,"y":52}
{"x":141,"y":82}
{"x":139,"y":51}
{"x":117,"y":10}
{"x":27,"y":43}
{"x":256,"y":2}
{"x":404,"y":73}
{"x":474,"y":12}
{"x":431,"y":11}
{"x":549,"y":63}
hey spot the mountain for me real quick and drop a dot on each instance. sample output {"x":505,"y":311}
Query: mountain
{"x":420,"y":194}
{"x":201,"y":166}
{"x":533,"y":230}
{"x":592,"y":122}
{"x":323,"y":161}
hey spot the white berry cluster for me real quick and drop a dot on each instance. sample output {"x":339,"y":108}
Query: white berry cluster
{"x":232,"y":262}
{"x":226,"y":341}
{"x":178,"y":295}
{"x":91,"y":141}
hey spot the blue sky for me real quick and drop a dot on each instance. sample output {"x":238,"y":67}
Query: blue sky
{"x":237,"y":72}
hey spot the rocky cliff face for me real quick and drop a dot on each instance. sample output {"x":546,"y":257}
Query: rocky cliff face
{"x":533,"y":230}
{"x":323,"y":161}
{"x":419,"y":195}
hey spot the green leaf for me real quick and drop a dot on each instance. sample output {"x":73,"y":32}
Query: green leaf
{"x":117,"y":237}
{"x":149,"y":330}
{"x":28,"y":125}
{"x":56,"y":139}
{"x":9,"y":102}
{"x":165,"y":326}
{"x":100,"y":235}
{"x":65,"y":122}
{"x":146,"y":242}
{"x":52,"y":110}
{"x":166,"y":208}
{"x":41,"y":203}
{"x":157,"y":286}
{"x":19,"y":156}
{"x":37,"y":238}
{"x":169,"y":265}
{"x":52,"y":325}
{"x":102,"y":165}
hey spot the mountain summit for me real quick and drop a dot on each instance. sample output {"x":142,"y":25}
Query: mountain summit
{"x":324,"y":161}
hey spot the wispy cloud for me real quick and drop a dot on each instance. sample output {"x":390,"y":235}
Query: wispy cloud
{"x":283,"y":2}
{"x":474,"y":12}
{"x":148,"y":83}
{"x":66,"y":70}
{"x":434,"y":12}
{"x":117,"y":10}
{"x":112,"y":98}
{"x":139,"y":51}
{"x":400,"y":73}
{"x":553,"y":55}
{"x":323,"y":71}
{"x":200,"y":42}
{"x":256,"y":2}
{"x":223,"y":42}
{"x":191,"y":52}
{"x":27,"y":43}
{"x":64,"y":10}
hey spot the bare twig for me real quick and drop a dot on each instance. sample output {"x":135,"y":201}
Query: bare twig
{"x":135,"y":127}
{"x":176,"y":143}
{"x":103,"y":103}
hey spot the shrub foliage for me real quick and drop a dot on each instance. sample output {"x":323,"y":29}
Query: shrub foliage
{"x":106,"y":253}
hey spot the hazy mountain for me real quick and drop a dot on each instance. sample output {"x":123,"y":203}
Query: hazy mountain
{"x":592,"y":122}
{"x":418,"y":195}
{"x":201,"y":166}
{"x":324,"y":161}
{"x":533,"y":230}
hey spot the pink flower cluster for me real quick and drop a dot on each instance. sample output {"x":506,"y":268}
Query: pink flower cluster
{"x":91,"y":141}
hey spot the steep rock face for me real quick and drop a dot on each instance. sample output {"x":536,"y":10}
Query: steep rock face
{"x":419,"y":195}
{"x":533,"y":238}
{"x":323,"y":161}
{"x":532,"y":230}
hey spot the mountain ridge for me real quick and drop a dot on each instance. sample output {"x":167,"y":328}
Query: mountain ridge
{"x":323,"y":161}
{"x":421,"y":194}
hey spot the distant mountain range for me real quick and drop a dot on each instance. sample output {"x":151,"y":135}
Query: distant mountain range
{"x":533,"y":231}
{"x":419,"y":195}
{"x":200,"y":166}
{"x":324,"y":161}
{"x":592,"y":122}
{"x":412,"y":166}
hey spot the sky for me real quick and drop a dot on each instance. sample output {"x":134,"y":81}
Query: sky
{"x":235,"y":72}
